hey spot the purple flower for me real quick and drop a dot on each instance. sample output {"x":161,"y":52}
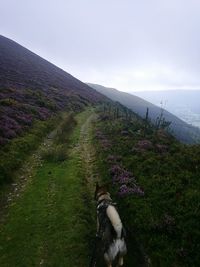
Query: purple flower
{"x":161,"y":148}
{"x":115,"y":170}
{"x":113,"y":158}
{"x":104,"y":142}
{"x":124,"y":132}
{"x":144,"y":144}
{"x":125,"y":190}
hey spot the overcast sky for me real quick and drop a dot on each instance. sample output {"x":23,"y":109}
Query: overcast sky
{"x":127,"y":44}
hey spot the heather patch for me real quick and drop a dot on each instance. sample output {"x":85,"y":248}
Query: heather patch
{"x":21,"y":107}
{"x":103,"y":141}
{"x":157,"y":181}
{"x":15,"y":151}
{"x":125,"y":181}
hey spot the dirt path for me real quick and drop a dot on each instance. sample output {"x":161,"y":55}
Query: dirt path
{"x":87,"y":151}
{"x":50,"y":218}
{"x":47,"y":224}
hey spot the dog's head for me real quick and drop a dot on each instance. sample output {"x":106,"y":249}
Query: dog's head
{"x":100,"y":190}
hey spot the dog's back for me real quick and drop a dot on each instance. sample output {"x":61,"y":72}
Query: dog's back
{"x":109,"y":227}
{"x":114,"y":219}
{"x":112,"y":233}
{"x":118,"y":246}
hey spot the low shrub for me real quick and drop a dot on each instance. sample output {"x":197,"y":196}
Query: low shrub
{"x":16,"y":151}
{"x":65,"y":129}
{"x":164,"y":211}
{"x":57,"y":153}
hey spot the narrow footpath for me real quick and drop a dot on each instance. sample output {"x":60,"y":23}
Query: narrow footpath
{"x":87,"y":152}
{"x":51,"y":221}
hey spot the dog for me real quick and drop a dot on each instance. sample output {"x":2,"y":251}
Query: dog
{"x":110,"y":229}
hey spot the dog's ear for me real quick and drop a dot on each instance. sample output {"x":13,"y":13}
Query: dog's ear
{"x":105,"y":187}
{"x":97,"y":186}
{"x":96,"y":190}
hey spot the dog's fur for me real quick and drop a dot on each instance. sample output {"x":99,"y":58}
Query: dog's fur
{"x":109,"y":227}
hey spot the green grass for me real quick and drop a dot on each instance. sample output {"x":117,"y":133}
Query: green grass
{"x":16,"y":151}
{"x":165,"y":222}
{"x":48,"y":224}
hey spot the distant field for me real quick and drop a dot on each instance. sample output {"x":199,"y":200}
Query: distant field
{"x":187,"y":115}
{"x":182,"y":103}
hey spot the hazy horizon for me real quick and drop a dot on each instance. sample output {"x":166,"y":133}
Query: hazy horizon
{"x":127,"y":45}
{"x":148,"y":90}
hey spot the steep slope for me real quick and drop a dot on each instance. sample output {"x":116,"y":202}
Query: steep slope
{"x":179,"y":128}
{"x":33,"y":88}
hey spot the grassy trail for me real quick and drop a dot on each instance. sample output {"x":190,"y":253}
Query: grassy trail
{"x":47,"y":225}
{"x":87,"y":152}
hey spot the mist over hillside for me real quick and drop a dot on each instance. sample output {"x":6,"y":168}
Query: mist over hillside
{"x":183,"y":103}
{"x":181,"y":130}
{"x":32,"y":88}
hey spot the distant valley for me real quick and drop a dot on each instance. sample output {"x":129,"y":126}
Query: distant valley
{"x":138,"y":104}
{"x":182,"y":103}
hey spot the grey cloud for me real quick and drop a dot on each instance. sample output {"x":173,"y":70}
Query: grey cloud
{"x":111,"y":41}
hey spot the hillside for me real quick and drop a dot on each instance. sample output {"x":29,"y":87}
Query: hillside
{"x":155,"y":180}
{"x":182,"y":103}
{"x":61,"y":137}
{"x":33,"y":88}
{"x":181,"y":130}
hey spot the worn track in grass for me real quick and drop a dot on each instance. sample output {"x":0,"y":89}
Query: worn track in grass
{"x":51,"y":222}
{"x":47,"y":225}
{"x":87,"y":152}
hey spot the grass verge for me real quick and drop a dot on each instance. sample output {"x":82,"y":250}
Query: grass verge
{"x":13,"y":154}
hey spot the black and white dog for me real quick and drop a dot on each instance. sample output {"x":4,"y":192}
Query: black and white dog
{"x":109,"y":228}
